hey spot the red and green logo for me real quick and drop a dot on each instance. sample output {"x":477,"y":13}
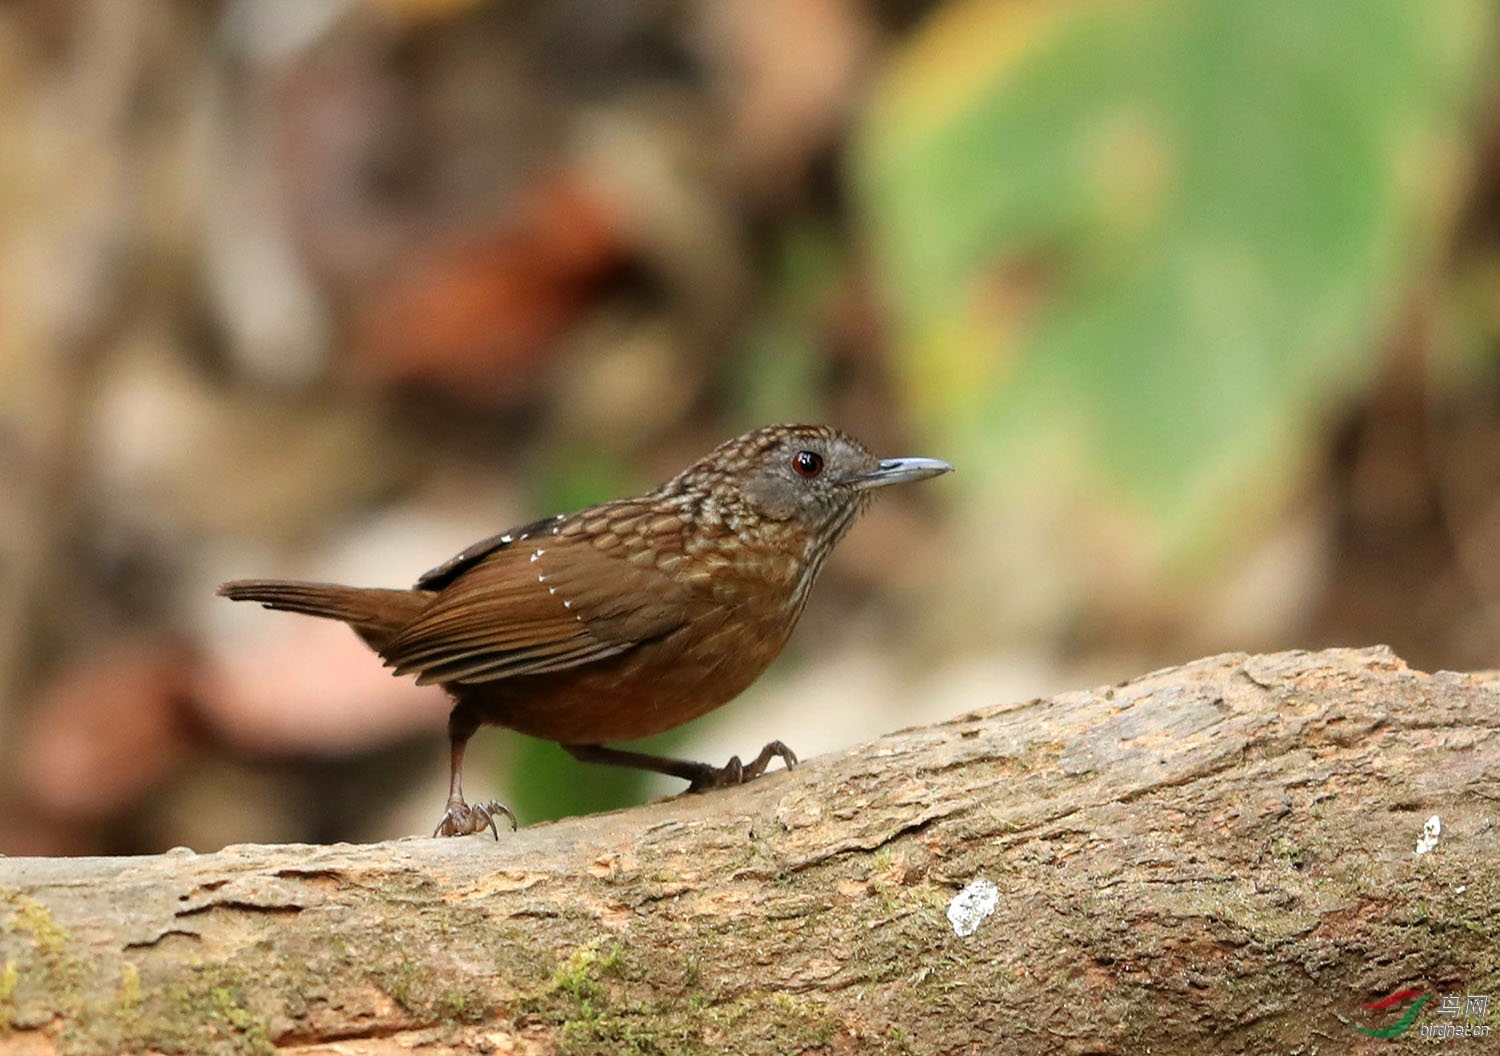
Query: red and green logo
{"x":1402,"y":1025}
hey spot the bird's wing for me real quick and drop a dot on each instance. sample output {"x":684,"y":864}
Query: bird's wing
{"x":439,"y":577}
{"x":551,"y":603}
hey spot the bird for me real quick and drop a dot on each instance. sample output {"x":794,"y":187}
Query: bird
{"x":623,"y":619}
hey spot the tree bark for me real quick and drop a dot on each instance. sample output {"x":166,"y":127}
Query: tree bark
{"x":1220,"y":857}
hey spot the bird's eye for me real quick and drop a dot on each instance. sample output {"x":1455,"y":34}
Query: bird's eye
{"x":807,"y":463}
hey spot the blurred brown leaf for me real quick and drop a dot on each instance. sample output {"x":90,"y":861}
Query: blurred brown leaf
{"x":107,"y":729}
{"x":478,"y":315}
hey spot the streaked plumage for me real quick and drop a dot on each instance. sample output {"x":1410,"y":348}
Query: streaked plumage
{"x":623,"y":619}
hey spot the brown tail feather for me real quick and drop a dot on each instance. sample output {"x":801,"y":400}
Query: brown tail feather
{"x":375,"y":613}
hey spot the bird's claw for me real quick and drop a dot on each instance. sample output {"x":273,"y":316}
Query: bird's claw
{"x":462,"y":819}
{"x":735,"y":772}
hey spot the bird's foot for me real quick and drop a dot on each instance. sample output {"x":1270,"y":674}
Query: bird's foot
{"x":735,"y":772}
{"x":461,"y":819}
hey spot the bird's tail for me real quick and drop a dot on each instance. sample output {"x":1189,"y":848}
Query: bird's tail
{"x":375,"y":613}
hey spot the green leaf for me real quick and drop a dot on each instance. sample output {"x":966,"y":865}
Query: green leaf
{"x":1139,"y":251}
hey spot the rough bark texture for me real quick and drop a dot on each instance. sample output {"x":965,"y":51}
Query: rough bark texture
{"x":1213,"y":858}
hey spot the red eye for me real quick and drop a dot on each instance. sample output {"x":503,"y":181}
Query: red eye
{"x":807,"y":463}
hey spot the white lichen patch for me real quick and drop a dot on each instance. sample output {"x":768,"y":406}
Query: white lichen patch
{"x":1430,"y":833}
{"x":971,"y":905}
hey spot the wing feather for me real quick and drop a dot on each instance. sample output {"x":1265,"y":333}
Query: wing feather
{"x":506,"y":610}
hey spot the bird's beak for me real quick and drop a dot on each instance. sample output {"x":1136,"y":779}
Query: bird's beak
{"x":900,"y":471}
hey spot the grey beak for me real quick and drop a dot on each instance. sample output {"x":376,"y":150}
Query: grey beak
{"x":901,"y":471}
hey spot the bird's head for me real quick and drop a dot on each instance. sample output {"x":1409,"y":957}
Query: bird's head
{"x":810,"y":477}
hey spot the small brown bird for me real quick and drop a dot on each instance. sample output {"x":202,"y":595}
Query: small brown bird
{"x":623,"y":619}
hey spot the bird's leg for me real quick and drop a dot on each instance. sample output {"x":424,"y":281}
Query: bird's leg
{"x":461,"y":819}
{"x":700,"y":776}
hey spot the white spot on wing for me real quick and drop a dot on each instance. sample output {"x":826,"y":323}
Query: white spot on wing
{"x":971,"y":905}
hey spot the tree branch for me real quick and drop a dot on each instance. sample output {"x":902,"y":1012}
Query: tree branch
{"x":1217,"y":857}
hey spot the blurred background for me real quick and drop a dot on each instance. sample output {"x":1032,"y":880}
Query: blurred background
{"x":1201,"y":298}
